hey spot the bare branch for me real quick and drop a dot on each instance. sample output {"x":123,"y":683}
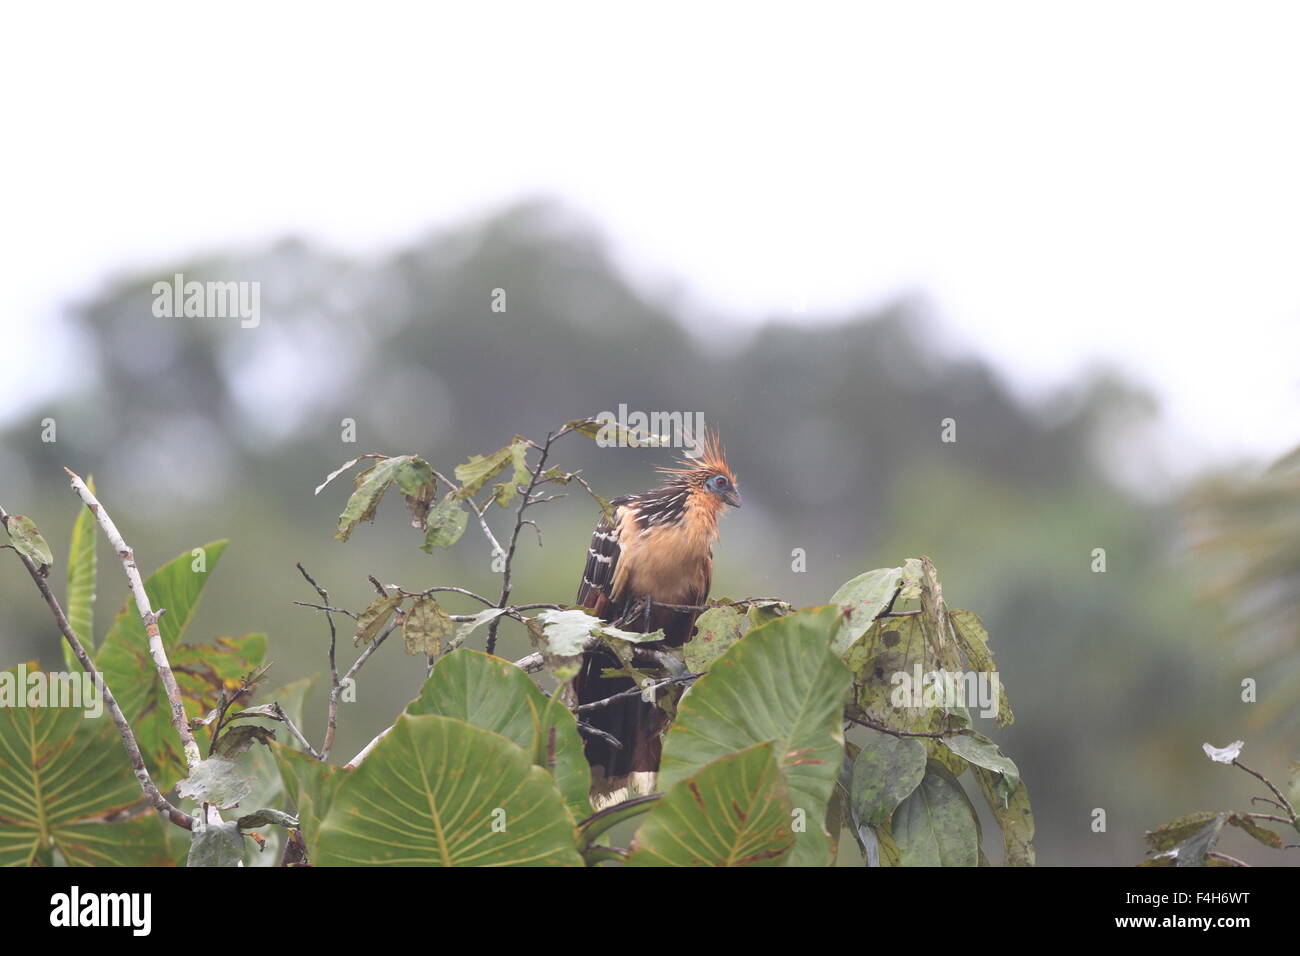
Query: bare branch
{"x":635,"y":692}
{"x":589,"y":730}
{"x":534,"y":477}
{"x":434,"y":590}
{"x":1269,"y":783}
{"x":365,"y":751}
{"x":149,"y":618}
{"x":328,"y":608}
{"x":478,"y":512}
{"x":293,"y":729}
{"x":332,"y":722}
{"x":934,"y":735}
{"x":360,"y":662}
{"x":1227,"y":859}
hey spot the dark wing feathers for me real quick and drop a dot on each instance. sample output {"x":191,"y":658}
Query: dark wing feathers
{"x":602,"y":559}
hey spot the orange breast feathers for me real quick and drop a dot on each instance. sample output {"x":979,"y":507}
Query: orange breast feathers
{"x":669,"y":563}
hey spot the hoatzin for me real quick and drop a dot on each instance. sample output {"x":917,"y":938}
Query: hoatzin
{"x":656,"y":550}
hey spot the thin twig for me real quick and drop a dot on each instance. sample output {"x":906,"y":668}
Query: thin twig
{"x":333,"y":718}
{"x":1269,"y":783}
{"x":478,"y":513}
{"x":444,"y":587}
{"x":1227,"y":859}
{"x":531,"y":663}
{"x":327,"y":608}
{"x":934,"y":735}
{"x":1271,"y":803}
{"x":533,"y":477}
{"x":744,"y":602}
{"x":635,"y":692}
{"x":293,"y":729}
{"x":370,"y":649}
{"x":365,"y":751}
{"x":589,"y":730}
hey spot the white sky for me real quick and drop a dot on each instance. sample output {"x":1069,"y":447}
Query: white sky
{"x":1063,"y":181}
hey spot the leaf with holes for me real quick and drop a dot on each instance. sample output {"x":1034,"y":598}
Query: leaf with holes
{"x":370,"y":487}
{"x":480,"y":469}
{"x":503,"y":493}
{"x":715,"y":631}
{"x":445,"y":524}
{"x":425,"y":627}
{"x":973,"y":639}
{"x":371,"y":621}
{"x":863,"y":598}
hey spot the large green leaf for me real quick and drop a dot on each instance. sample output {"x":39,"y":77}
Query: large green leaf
{"x":438,"y":791}
{"x":781,"y":683}
{"x":495,"y":695}
{"x":61,"y":775}
{"x":175,"y":587}
{"x":735,"y":811}
{"x":936,"y":826}
{"x":81,"y":583}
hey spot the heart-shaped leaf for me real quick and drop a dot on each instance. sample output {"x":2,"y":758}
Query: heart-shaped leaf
{"x":735,"y":811}
{"x":438,"y":791}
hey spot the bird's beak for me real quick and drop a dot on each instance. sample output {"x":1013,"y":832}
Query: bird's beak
{"x":732,"y":497}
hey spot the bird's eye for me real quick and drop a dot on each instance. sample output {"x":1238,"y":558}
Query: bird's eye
{"x":718,"y":482}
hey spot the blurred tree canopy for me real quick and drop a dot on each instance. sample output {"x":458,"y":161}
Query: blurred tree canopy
{"x":197,"y":429}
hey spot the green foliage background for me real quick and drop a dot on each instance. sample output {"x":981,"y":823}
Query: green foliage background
{"x":202,"y":430}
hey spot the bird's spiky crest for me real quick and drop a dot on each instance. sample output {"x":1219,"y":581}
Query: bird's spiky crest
{"x":712,"y":461}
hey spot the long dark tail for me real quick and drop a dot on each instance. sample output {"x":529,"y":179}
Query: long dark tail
{"x":637,"y":724}
{"x":634,"y":722}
